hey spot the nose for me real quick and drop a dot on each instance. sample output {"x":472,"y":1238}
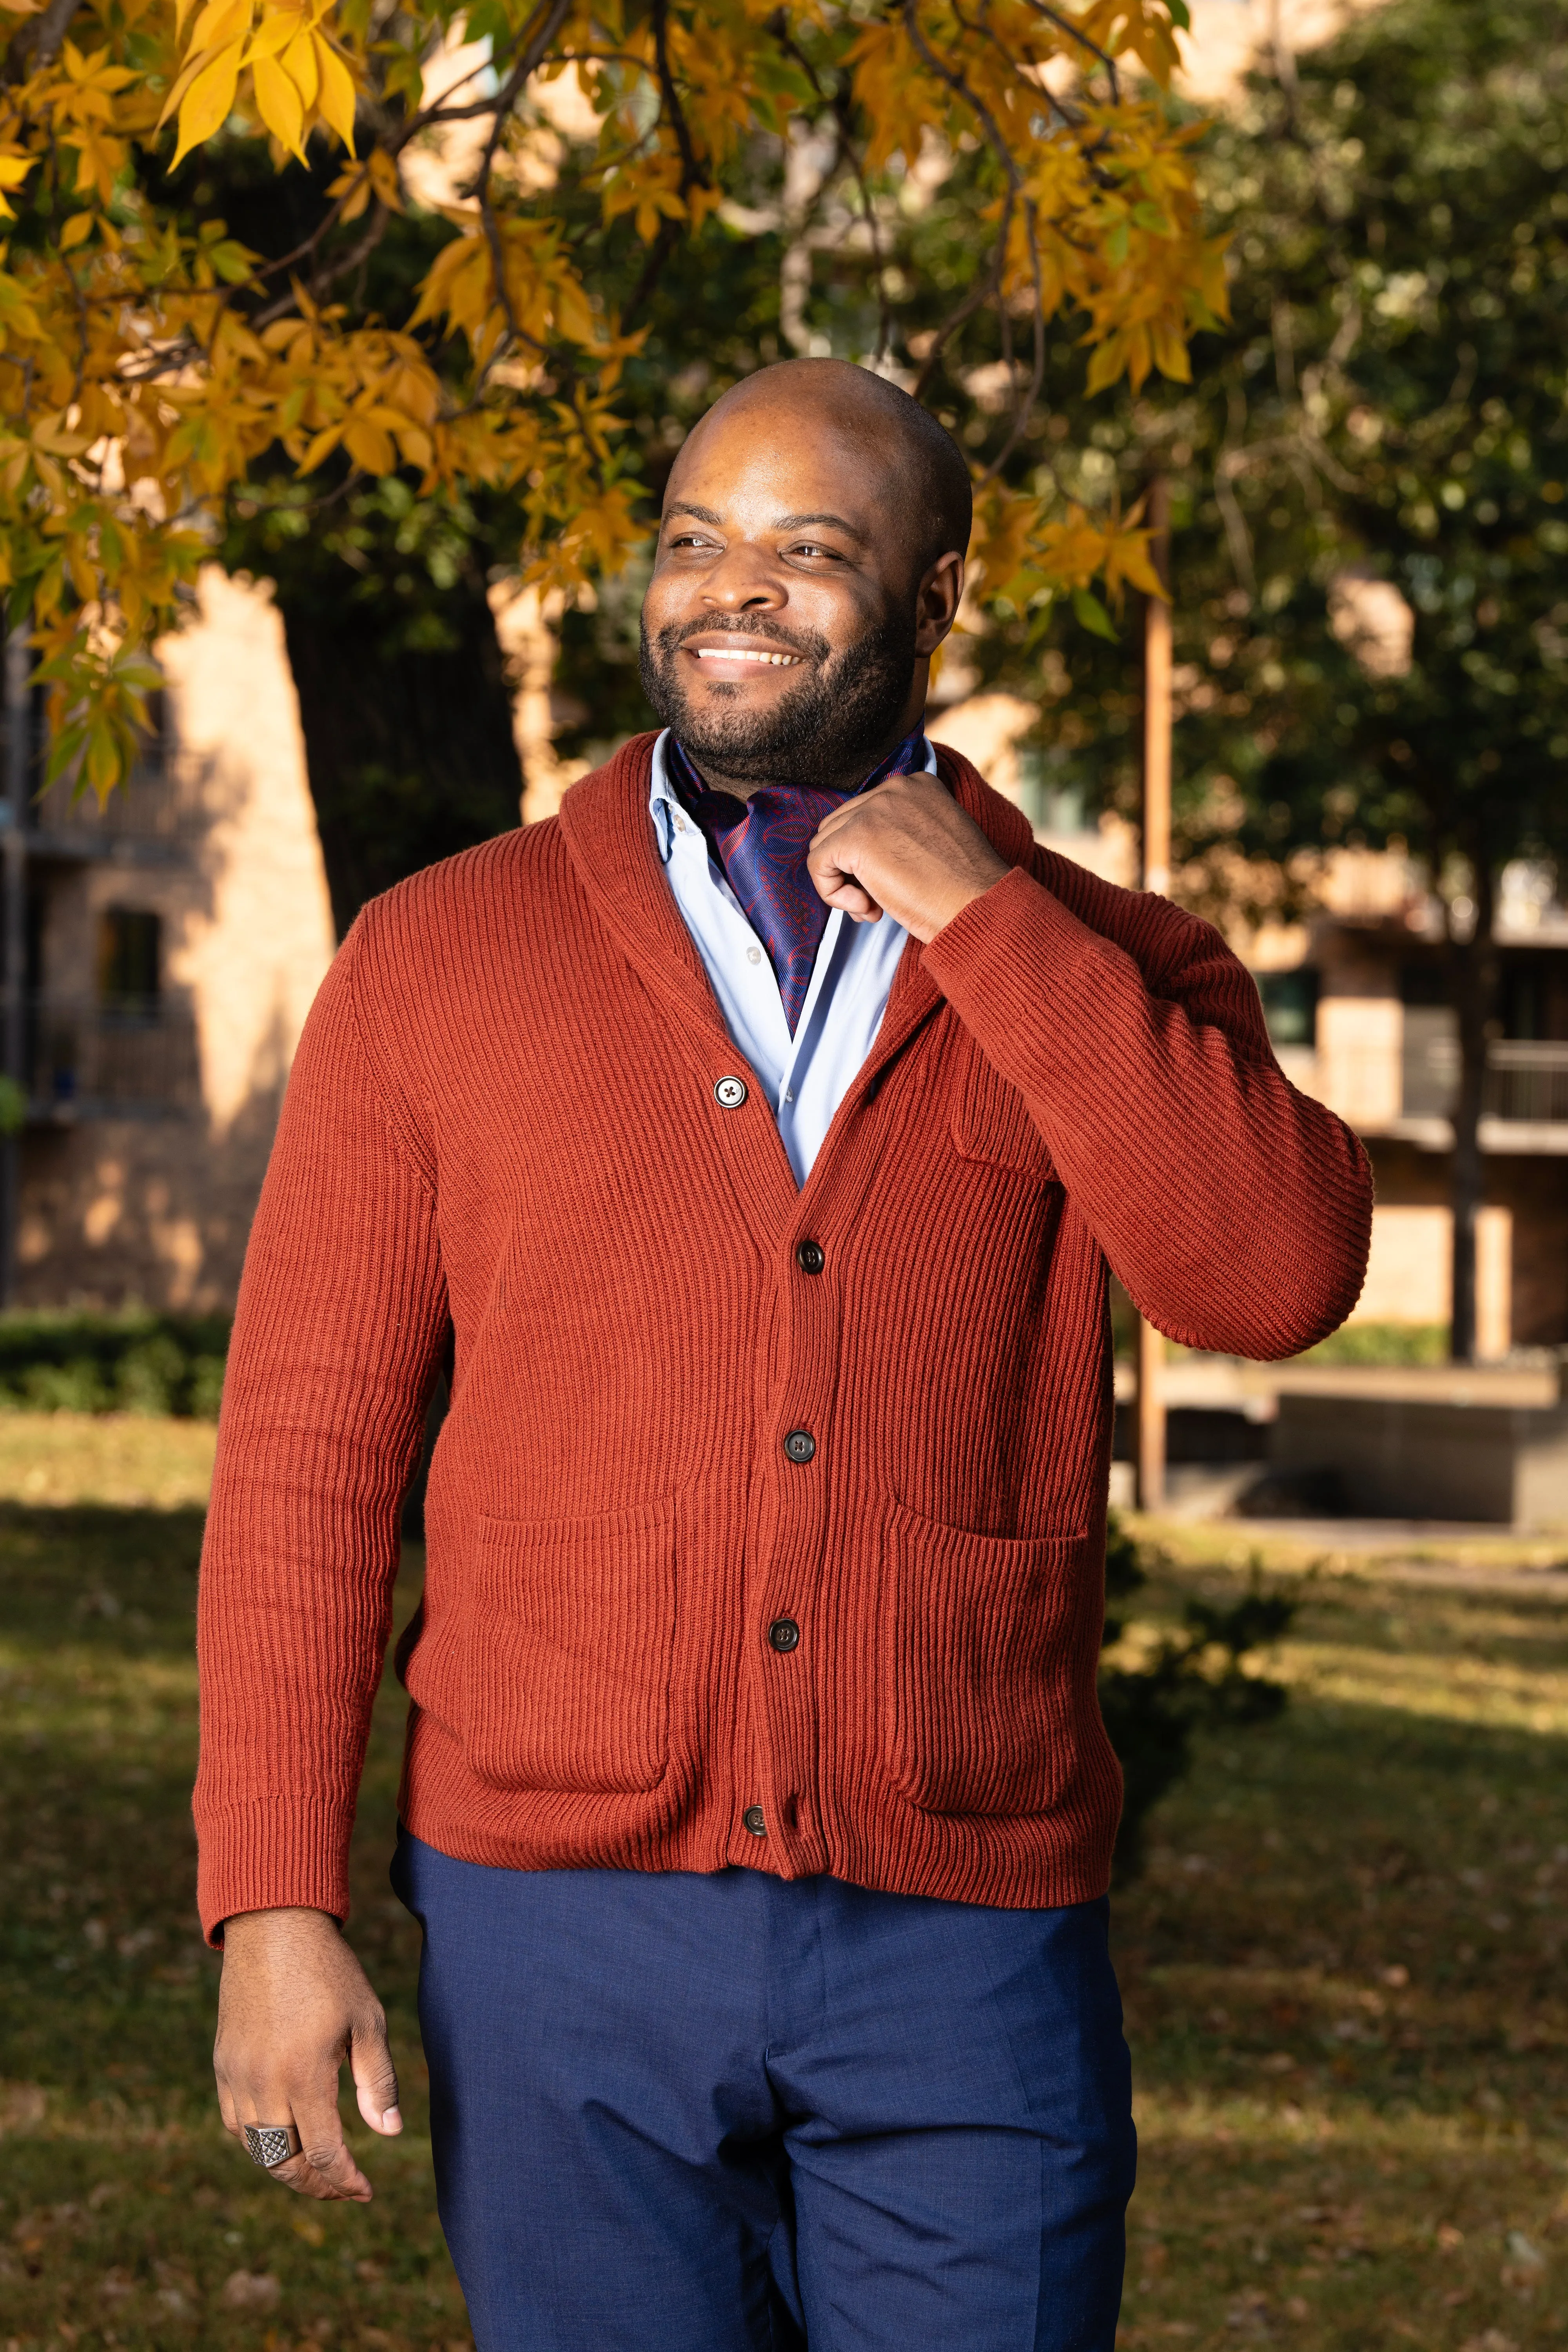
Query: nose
{"x":743,"y":580}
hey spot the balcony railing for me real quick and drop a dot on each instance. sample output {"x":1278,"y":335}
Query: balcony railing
{"x":1526,"y":1080}
{"x":134,"y":1057}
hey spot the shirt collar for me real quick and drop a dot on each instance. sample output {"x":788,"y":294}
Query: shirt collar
{"x":663,"y":805}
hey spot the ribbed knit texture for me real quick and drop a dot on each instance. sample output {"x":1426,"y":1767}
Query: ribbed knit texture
{"x":502,"y":1123}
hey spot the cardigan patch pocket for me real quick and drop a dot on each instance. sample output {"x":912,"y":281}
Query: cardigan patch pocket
{"x":976,"y":1714}
{"x":570,"y":1643}
{"x":990,"y":1121}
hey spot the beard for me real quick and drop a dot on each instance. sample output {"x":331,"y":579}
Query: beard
{"x":833,"y":725}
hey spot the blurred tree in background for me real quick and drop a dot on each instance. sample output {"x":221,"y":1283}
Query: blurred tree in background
{"x":171,"y":329}
{"x":1370,"y":481}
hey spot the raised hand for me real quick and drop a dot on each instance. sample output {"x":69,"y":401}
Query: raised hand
{"x":906,"y":849}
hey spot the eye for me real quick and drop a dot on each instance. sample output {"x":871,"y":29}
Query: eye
{"x":691,"y":539}
{"x":814,"y":547}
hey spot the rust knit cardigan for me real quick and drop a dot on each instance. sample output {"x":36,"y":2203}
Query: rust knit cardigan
{"x":501,"y":1135}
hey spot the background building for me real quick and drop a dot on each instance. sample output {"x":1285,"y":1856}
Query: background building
{"x":173,"y":944}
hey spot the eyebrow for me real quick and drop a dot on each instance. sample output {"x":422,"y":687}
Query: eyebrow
{"x":786,"y":522}
{"x":831,"y":521}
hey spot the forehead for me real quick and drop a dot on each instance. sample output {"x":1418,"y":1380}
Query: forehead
{"x":756,"y":461}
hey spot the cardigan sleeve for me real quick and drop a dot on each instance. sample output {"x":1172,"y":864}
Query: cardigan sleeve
{"x":340,"y":1320}
{"x":1235,"y":1210}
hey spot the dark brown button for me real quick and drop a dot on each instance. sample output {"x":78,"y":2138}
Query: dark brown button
{"x":785,"y":1634}
{"x":811,"y":1257}
{"x":800,"y":1445}
{"x":752,"y":1817}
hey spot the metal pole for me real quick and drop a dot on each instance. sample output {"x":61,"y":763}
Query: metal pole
{"x":1156,"y":877}
{"x":14,"y":931}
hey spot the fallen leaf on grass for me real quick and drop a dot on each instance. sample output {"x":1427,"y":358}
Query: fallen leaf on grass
{"x":306,"y":2226}
{"x":250,"y":2291}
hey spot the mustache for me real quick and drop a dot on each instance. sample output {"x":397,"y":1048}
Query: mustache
{"x":808,"y":642}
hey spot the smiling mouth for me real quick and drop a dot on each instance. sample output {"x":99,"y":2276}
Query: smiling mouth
{"x":745,"y":653}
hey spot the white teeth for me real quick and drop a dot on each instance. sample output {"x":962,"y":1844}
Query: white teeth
{"x":744,"y":653}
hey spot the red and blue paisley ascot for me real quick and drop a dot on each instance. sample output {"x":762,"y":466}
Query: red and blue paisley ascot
{"x":760,"y":847}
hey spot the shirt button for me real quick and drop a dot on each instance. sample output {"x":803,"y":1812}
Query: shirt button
{"x":789,"y":1094}
{"x":800,"y":1445}
{"x":752,"y":1817}
{"x":729,"y":1093}
{"x":811,"y":1257}
{"x":783,"y":1634}
{"x":753,"y":955}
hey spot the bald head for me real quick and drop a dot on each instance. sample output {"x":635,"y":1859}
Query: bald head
{"x":926,"y":486}
{"x":810,"y":562}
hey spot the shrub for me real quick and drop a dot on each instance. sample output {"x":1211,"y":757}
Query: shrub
{"x":1190,"y":1682}
{"x":130,"y":1362}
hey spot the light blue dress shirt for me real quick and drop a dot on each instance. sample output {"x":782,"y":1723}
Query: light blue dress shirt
{"x":806,"y":1076}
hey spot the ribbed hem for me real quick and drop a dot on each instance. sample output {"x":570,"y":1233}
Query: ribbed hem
{"x":277,"y":1854}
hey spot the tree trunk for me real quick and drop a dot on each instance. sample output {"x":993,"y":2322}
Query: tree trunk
{"x":1474,"y":965}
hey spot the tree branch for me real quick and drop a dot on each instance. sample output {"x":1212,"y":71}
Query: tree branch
{"x":39,"y":41}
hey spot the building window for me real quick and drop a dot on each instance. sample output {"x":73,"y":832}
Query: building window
{"x":1289,"y":1005}
{"x":130,"y":953}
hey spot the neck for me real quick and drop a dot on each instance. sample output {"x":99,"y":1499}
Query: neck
{"x":851,"y":778}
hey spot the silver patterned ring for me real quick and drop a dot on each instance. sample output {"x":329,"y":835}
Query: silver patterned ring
{"x":271,"y":2144}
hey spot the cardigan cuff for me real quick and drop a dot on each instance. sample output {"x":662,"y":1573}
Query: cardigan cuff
{"x":274,"y":1853}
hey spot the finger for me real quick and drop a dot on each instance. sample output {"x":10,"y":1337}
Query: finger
{"x":324,"y":2150}
{"x":844,"y":892}
{"x":375,"y":2075}
{"x":226,"y":2108}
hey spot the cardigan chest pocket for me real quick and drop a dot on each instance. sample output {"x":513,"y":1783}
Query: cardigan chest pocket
{"x":570,"y":1648}
{"x":991,"y":1122}
{"x":976,"y":1704}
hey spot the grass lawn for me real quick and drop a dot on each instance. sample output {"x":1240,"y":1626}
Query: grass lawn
{"x":1343,"y":1971}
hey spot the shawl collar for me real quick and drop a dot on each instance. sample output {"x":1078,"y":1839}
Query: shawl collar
{"x":609,"y":838}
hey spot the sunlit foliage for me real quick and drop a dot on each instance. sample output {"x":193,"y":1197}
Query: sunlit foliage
{"x":150,"y":360}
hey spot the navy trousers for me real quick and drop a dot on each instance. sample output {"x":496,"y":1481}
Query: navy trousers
{"x":674,"y":2113}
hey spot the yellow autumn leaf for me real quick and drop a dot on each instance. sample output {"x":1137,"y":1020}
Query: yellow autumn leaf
{"x":299,"y":62}
{"x":279,"y":104}
{"x":336,"y":99}
{"x":369,"y":446}
{"x":208,"y":103}
{"x":220,"y":22}
{"x":13,"y":170}
{"x":384,"y":173}
{"x":179,"y":86}
{"x":321,"y":447}
{"x":277,"y":30}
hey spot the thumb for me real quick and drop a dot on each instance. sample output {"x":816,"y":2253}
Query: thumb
{"x":375,"y":2077}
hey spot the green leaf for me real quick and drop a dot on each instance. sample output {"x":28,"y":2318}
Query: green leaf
{"x":1091,"y":614}
{"x":1181,"y":15}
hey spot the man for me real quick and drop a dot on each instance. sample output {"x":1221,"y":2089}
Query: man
{"x":756,"y":1135}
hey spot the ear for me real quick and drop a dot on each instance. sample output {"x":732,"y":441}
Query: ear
{"x":936,"y":602}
